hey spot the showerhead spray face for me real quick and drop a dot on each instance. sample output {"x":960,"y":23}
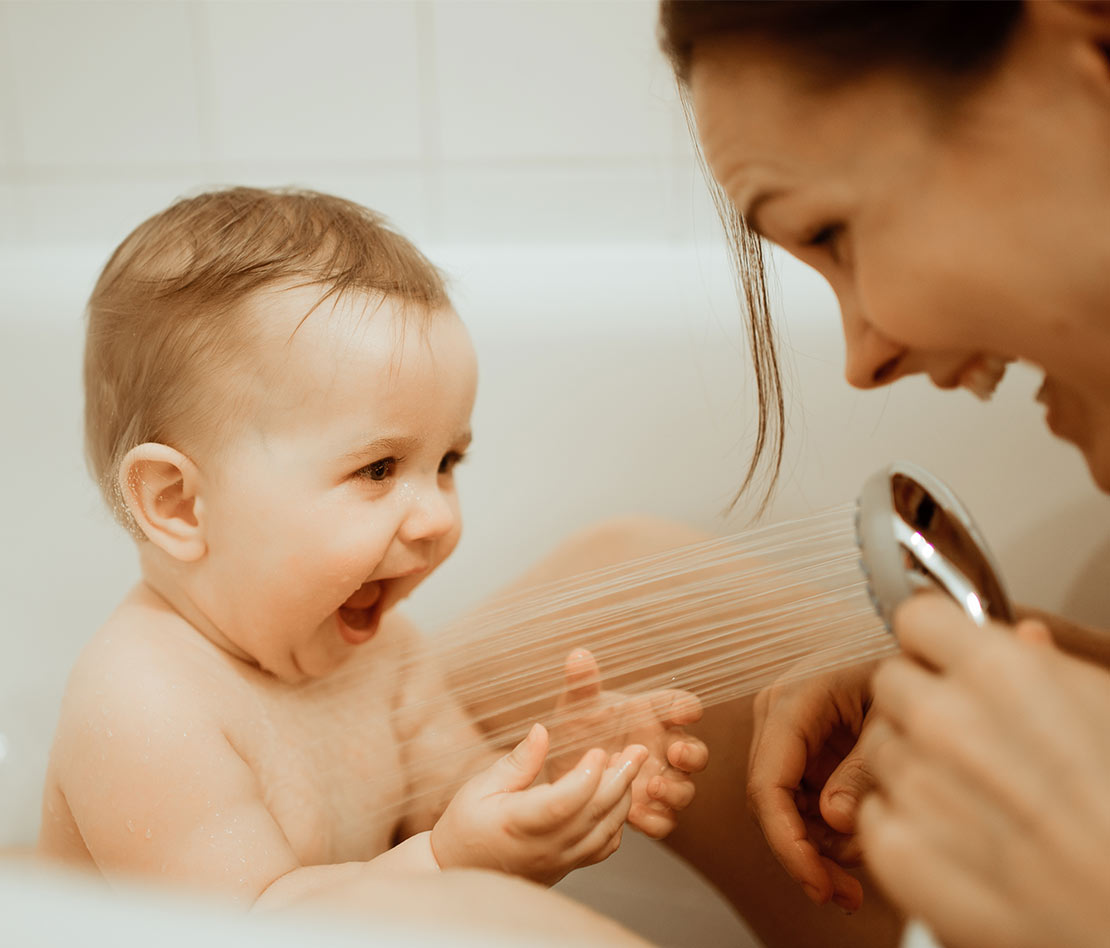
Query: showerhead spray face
{"x":914,"y":533}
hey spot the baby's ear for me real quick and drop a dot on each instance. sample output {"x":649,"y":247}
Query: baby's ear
{"x":160,"y":487}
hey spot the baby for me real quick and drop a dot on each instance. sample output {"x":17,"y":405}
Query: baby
{"x":277,"y":395}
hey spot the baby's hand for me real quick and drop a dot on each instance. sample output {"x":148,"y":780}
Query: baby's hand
{"x":588,"y":716}
{"x":496,"y":822}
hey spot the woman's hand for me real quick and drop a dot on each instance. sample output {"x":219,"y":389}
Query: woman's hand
{"x":497,"y":820}
{"x":807,"y":773}
{"x":992,"y":817}
{"x":588,"y":715}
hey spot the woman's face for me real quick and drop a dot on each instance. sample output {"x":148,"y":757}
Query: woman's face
{"x":955,"y":237}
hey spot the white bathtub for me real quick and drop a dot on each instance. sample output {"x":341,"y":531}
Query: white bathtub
{"x":613,"y":381}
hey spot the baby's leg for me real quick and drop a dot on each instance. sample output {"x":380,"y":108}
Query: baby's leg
{"x":473,"y":906}
{"x":716,"y":834}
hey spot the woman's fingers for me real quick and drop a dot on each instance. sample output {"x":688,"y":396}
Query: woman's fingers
{"x":788,"y":837}
{"x":777,"y":765}
{"x":847,"y":892}
{"x":934,"y":629}
{"x":918,"y":875}
{"x":852,"y":779}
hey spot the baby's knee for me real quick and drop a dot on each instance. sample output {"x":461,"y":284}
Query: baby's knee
{"x":628,"y":537}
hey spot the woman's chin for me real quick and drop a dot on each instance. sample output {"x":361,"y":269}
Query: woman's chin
{"x":1098,"y":462}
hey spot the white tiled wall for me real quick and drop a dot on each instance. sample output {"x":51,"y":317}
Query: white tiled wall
{"x":490,"y":120}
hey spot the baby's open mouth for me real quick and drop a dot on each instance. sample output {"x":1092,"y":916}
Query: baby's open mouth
{"x":359,"y":615}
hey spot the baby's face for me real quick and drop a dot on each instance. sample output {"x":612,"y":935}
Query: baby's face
{"x":339,"y":496}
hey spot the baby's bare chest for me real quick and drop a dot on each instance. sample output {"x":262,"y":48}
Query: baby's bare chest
{"x":329,"y":767}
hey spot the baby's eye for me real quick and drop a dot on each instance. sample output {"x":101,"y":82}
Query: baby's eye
{"x":378,"y":470}
{"x":449,"y":461}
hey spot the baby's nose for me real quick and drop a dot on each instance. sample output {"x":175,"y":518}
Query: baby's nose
{"x":431,"y":515}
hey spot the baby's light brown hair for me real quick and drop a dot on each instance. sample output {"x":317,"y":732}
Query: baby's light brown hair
{"x":167,"y":313}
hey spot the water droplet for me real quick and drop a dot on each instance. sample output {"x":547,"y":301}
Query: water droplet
{"x":130,"y":827}
{"x":148,"y":832}
{"x":3,"y":748}
{"x":109,"y":733}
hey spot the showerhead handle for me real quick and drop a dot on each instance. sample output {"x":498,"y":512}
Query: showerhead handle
{"x":914,"y":533}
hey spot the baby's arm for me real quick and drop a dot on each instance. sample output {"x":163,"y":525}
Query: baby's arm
{"x":497,"y":820}
{"x":440,"y":743}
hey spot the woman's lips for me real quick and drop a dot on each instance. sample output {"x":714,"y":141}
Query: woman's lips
{"x":360,"y":614}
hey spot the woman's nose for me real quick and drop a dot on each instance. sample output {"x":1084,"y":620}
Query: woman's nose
{"x":870,"y":359}
{"x":432,"y":513}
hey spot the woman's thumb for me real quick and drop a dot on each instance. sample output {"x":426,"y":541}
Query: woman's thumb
{"x":848,"y":784}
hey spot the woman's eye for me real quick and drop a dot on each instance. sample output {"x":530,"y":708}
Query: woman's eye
{"x":378,"y":470}
{"x":825,"y":237}
{"x":449,"y":461}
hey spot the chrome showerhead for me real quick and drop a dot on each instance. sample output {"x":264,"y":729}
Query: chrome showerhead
{"x":914,"y":533}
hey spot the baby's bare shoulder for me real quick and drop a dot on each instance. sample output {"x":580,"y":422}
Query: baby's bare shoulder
{"x":142,"y":669}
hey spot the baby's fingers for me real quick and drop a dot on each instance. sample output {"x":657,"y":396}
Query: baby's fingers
{"x":674,"y":790}
{"x":618,"y":779}
{"x":602,"y":837}
{"x":653,"y":819}
{"x":689,"y":755}
{"x":676,"y":708}
{"x":543,"y":808}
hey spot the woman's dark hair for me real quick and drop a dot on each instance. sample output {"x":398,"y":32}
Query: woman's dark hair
{"x":947,"y":44}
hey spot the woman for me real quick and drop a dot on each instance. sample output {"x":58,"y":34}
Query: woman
{"x":946,"y":167}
